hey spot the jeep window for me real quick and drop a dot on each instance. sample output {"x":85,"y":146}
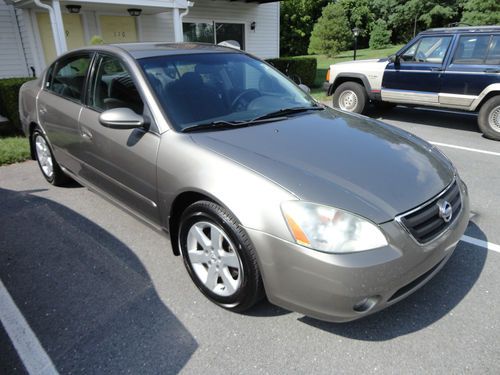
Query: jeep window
{"x":472,"y":49}
{"x":494,"y":52}
{"x":427,"y":50}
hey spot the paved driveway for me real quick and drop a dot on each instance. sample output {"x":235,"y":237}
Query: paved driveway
{"x":102,"y":293}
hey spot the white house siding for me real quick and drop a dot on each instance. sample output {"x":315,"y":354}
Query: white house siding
{"x":14,"y":60}
{"x":263,"y":42}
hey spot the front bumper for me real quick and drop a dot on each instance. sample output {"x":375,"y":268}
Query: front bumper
{"x":329,"y":286}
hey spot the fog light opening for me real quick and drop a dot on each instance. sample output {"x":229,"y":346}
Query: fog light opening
{"x":366,"y":304}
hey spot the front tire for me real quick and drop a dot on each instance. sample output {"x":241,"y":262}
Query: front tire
{"x":219,"y":256}
{"x":350,"y":97}
{"x":46,"y":161}
{"x":489,"y":118}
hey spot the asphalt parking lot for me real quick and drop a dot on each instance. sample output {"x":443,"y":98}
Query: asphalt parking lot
{"x":101,"y":292}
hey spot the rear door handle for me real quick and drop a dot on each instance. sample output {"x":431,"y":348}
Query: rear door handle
{"x":436,"y":69}
{"x":492,"y":70}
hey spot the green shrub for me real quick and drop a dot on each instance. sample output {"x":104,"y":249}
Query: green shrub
{"x":14,"y":150}
{"x":331,"y":34}
{"x":303,"y":67}
{"x":380,"y":36}
{"x":9,"y":102}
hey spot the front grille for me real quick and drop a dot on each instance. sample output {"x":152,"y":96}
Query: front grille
{"x":425,"y":223}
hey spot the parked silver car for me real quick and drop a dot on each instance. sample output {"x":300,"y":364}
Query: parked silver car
{"x":262,"y":190}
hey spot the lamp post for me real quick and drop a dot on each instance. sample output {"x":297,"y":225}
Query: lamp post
{"x":355,"y":32}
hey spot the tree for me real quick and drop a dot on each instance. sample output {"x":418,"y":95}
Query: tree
{"x":297,"y":21}
{"x":410,"y":17}
{"x":331,"y":34}
{"x":360,"y":15}
{"x":481,"y":12}
{"x":380,"y":36}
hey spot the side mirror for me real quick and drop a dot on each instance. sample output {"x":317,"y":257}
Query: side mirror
{"x":121,"y":118}
{"x":304,"y":88}
{"x":394,"y":59}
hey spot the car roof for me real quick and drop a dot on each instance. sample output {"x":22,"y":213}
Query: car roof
{"x":462,"y":29}
{"x":151,"y":49}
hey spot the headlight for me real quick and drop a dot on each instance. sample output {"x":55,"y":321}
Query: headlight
{"x":329,"y":229}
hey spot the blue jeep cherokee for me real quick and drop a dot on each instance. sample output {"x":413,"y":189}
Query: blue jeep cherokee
{"x":456,"y":67}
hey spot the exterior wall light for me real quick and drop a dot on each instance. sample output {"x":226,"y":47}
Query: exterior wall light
{"x":134,"y":12}
{"x":75,"y":9}
{"x":252,"y":26}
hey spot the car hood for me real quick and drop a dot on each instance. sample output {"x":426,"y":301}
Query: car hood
{"x":340,"y":160}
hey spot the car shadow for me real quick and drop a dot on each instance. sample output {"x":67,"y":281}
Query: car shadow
{"x":84,"y":293}
{"x":465,"y":121}
{"x":423,"y":308}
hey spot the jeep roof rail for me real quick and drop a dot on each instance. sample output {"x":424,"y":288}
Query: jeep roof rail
{"x":457,"y":29}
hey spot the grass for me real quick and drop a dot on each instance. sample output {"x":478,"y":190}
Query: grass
{"x":14,"y":150}
{"x":324,"y":63}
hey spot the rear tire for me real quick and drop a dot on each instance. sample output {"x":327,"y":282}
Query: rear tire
{"x":46,"y":160}
{"x":489,"y":118}
{"x":219,"y":256}
{"x":350,"y":97}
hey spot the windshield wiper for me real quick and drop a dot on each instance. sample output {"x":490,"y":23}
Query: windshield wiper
{"x":213,"y":125}
{"x":221,"y":124}
{"x":288,"y":111}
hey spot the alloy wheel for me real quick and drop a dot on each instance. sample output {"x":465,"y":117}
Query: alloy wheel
{"x":214,"y":259}
{"x":348,"y":100}
{"x":494,"y":119}
{"x":44,"y":156}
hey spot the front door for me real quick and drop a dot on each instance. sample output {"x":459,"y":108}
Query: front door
{"x":72,"y":27}
{"x":118,"y":29}
{"x":122,"y":163}
{"x":416,"y":77}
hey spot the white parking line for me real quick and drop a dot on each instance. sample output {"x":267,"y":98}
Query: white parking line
{"x":465,"y":148}
{"x":481,"y":243}
{"x":29,"y":349}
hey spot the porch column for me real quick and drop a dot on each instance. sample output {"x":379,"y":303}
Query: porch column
{"x":59,"y":27}
{"x":178,"y":36}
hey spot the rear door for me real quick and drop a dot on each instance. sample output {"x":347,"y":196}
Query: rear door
{"x":416,"y":77}
{"x":475,"y":64}
{"x":120,"y":162}
{"x":60,"y":103}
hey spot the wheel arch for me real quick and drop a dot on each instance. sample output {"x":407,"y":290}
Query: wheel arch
{"x":182,"y":201}
{"x":487,"y":97}
{"x":350,"y":77}
{"x":31,"y":128}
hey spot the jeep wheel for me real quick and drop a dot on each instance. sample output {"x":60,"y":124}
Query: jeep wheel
{"x":489,"y":118}
{"x":350,"y":97}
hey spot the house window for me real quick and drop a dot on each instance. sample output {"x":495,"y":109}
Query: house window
{"x":214,"y":32}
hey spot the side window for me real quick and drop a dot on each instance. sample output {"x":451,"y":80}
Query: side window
{"x":472,"y":49}
{"x":494,"y":52}
{"x":113,"y":87}
{"x":428,"y":50}
{"x":67,"y":78}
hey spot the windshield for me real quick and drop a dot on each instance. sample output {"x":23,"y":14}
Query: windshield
{"x":205,"y":88}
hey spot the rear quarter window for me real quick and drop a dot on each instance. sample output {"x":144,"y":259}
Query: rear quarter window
{"x":472,"y":49}
{"x":493,"y":57}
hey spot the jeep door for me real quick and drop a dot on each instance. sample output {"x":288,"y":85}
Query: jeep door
{"x":475,"y":65}
{"x":415,"y":76}
{"x":119,"y":162}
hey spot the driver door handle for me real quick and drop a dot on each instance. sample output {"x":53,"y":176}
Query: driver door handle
{"x":86,"y":133}
{"x":434,"y":69}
